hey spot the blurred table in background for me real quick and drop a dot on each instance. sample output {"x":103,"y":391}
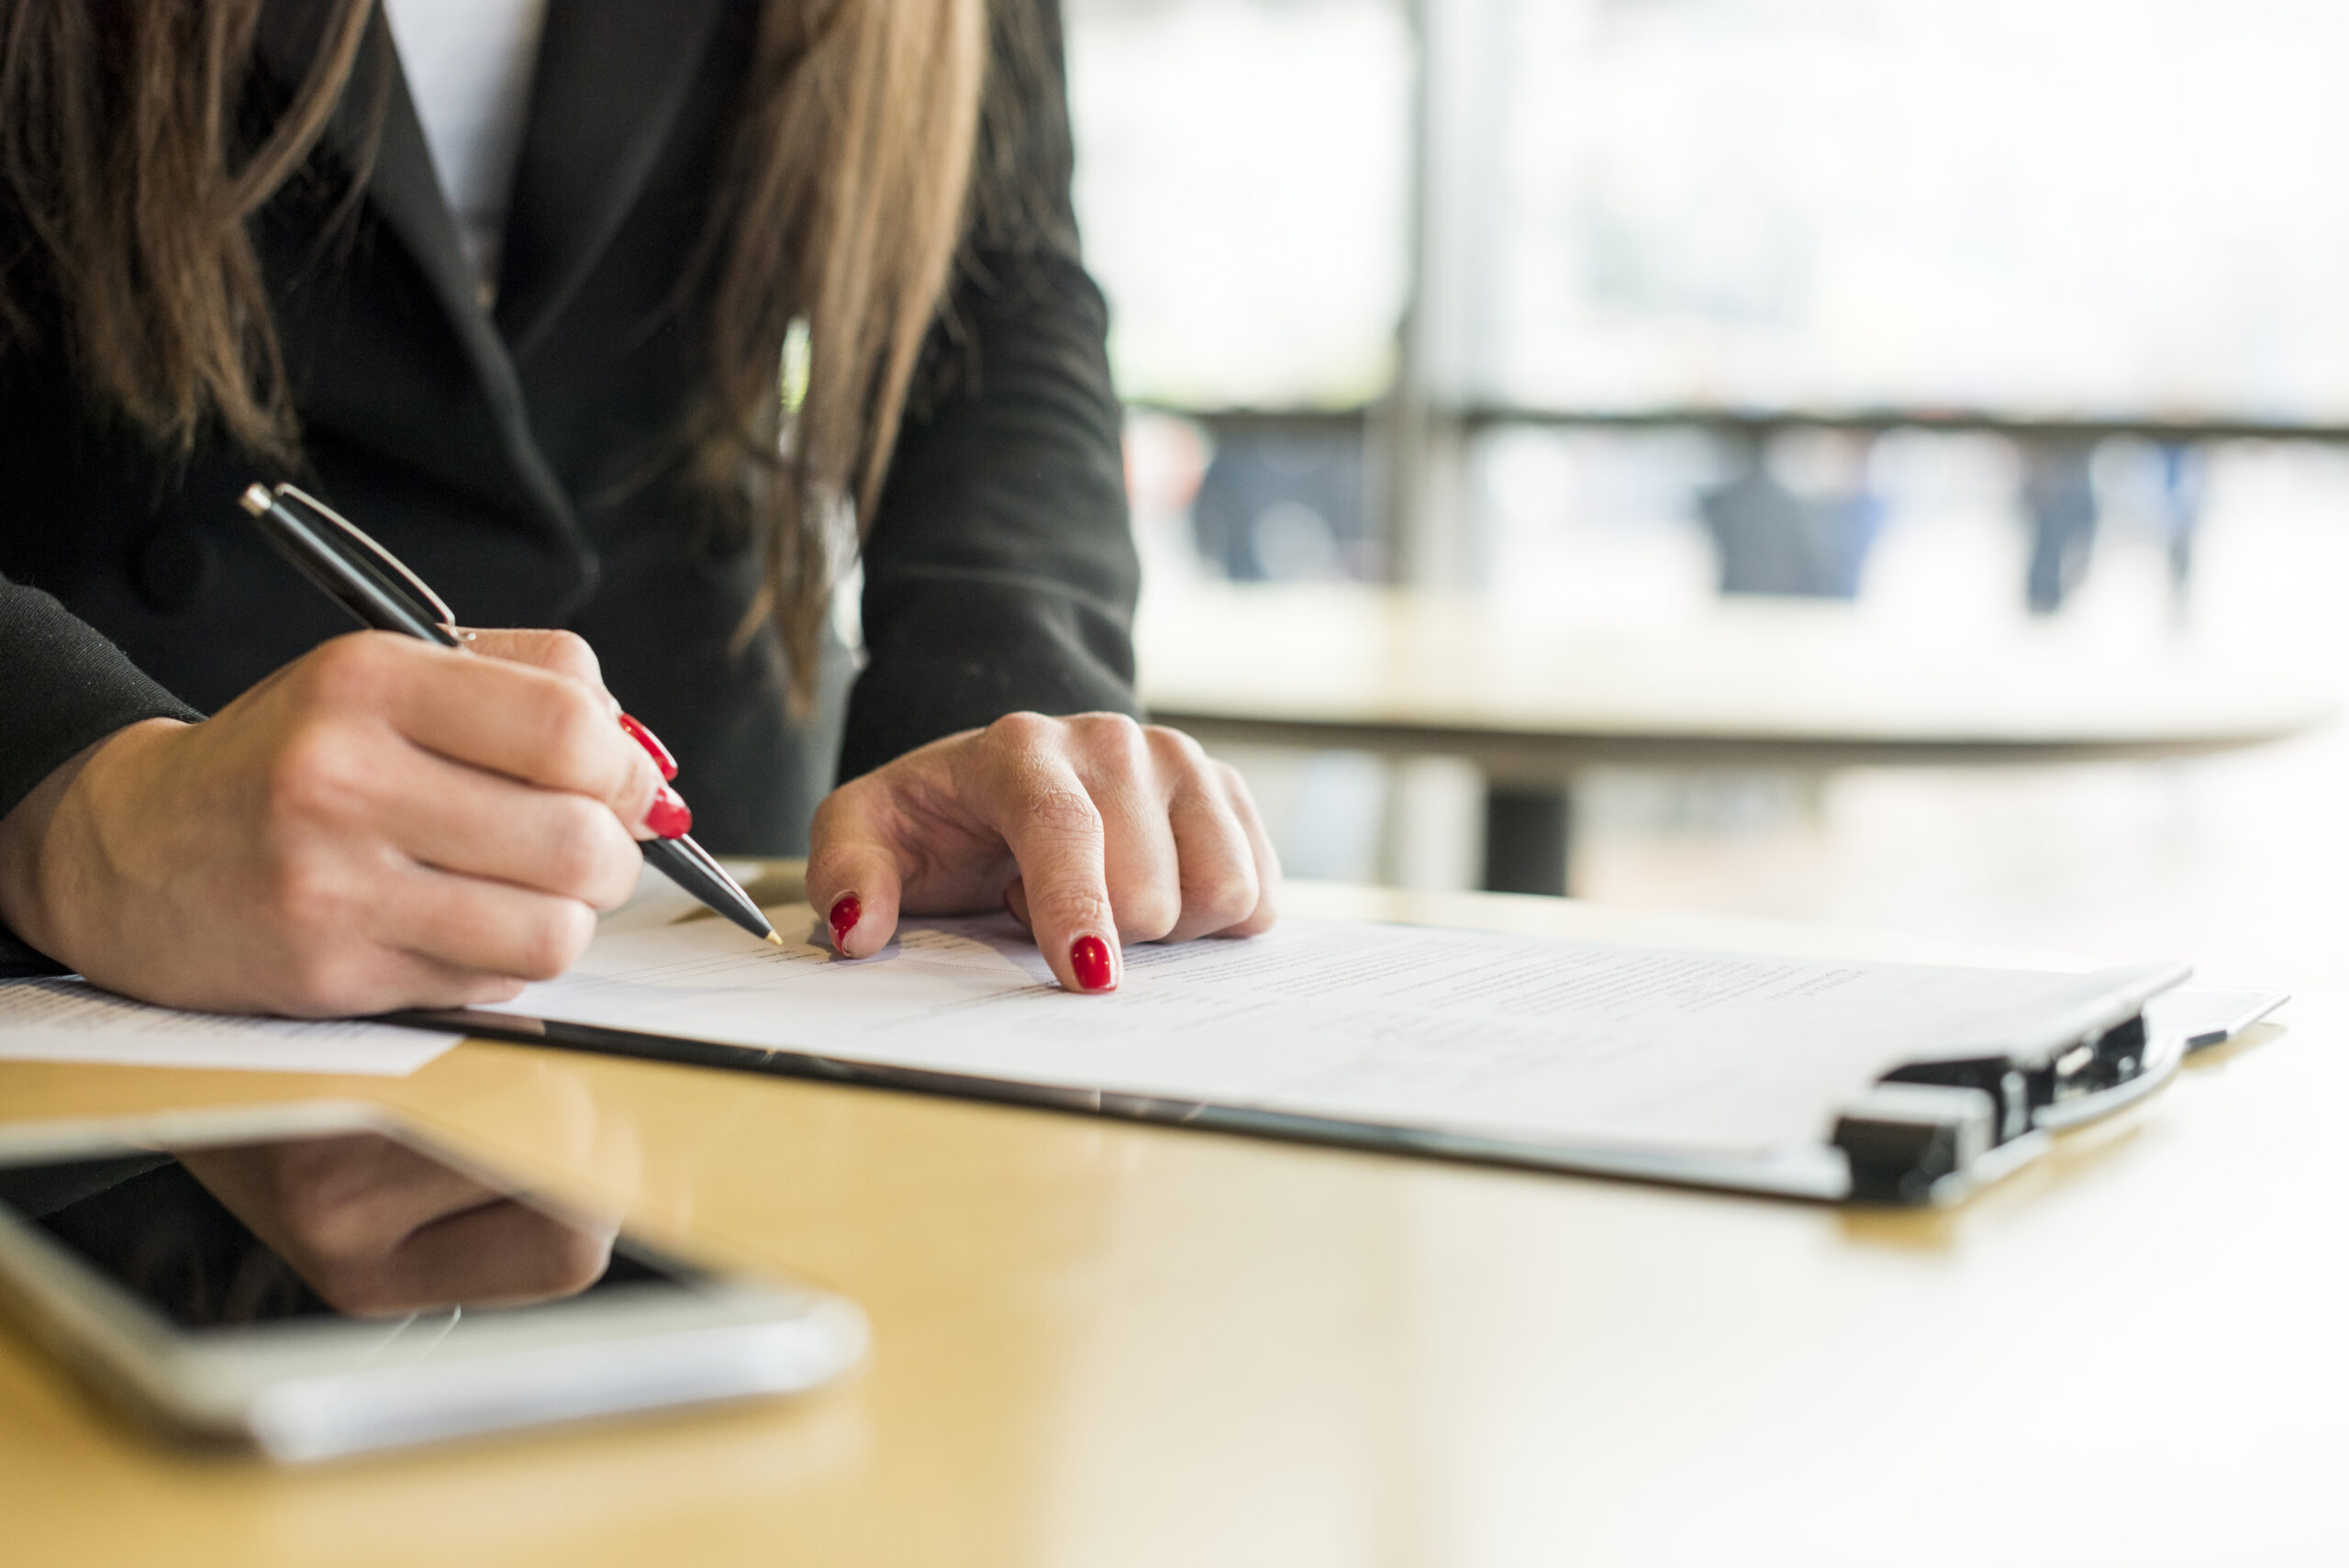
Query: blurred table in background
{"x":1101,"y":1343}
{"x":1756,"y":684}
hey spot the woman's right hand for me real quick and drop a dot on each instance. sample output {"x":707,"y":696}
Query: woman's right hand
{"x":379,"y":1228}
{"x":383,"y":823}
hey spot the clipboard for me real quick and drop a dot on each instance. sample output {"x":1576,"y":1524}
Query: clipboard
{"x":1928,"y":1132}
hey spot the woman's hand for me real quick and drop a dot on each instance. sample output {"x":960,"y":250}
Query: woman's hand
{"x":378,"y":1229}
{"x":1094,"y":830}
{"x":383,"y":823}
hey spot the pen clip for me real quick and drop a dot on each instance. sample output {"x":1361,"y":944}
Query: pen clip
{"x":398,"y":578}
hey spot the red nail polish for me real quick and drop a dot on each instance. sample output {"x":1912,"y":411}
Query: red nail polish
{"x":652,"y":744}
{"x":1089,"y":957}
{"x":846,"y":911}
{"x":670,"y":816}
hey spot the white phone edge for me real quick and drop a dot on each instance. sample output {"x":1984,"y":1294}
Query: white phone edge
{"x":289,"y":1392}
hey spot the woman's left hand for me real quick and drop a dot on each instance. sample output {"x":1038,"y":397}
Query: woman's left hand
{"x":1094,"y":830}
{"x":379,"y":1228}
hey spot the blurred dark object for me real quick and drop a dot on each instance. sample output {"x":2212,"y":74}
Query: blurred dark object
{"x":1285,"y":504}
{"x":2185,"y":480}
{"x":2059,"y":496}
{"x":1772,"y":541}
{"x":167,"y":1240}
{"x":1527,"y":835}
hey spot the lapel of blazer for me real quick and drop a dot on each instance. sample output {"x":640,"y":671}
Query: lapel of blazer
{"x":405,"y":192}
{"x":402,"y":187}
{"x":611,"y":76}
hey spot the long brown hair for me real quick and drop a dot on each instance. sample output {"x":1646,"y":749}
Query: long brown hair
{"x":842,"y":209}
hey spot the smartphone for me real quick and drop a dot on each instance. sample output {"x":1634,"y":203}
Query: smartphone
{"x":317,"y":1280}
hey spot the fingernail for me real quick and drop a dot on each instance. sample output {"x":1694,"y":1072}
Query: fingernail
{"x":670,"y":816}
{"x":843,"y":918}
{"x":652,"y":744}
{"x":1089,"y":957}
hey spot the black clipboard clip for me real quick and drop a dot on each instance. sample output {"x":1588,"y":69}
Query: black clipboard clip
{"x":1933,"y":1132}
{"x":1930,"y":1132}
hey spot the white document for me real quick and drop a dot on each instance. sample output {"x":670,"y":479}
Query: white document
{"x":1463,"y":1032}
{"x":2205,"y":1016}
{"x":72,"y":1020}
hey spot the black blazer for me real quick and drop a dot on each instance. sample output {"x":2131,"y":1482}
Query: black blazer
{"x":501,"y":454}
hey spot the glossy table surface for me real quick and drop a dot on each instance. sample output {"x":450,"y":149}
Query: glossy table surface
{"x":1526,"y":694}
{"x":1098,"y":1343}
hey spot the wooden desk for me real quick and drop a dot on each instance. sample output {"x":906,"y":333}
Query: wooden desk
{"x":1108,"y":1344}
{"x":1755,"y":684}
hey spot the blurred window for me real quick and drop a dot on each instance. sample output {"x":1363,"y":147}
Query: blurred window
{"x":1243,"y":178}
{"x":2061,"y":221}
{"x":2119,"y":208}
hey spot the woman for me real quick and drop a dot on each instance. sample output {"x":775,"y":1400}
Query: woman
{"x":229,"y":257}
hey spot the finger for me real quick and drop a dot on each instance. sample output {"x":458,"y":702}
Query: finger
{"x":1034,"y":799}
{"x":1015,"y":899}
{"x":853,"y":881}
{"x":457,"y":818}
{"x":1138,"y":861}
{"x":1218,"y":872}
{"x":1268,"y":862}
{"x":568,"y":655}
{"x":357,"y":1195}
{"x":377,"y":979}
{"x":501,"y":1255}
{"x":489,"y":928}
{"x":362,"y":1194}
{"x":510,"y":718}
{"x":564,"y":653}
{"x":415,"y":981}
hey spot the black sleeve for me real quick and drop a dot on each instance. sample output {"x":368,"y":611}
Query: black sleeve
{"x":1000,"y":571}
{"x":64,"y":687}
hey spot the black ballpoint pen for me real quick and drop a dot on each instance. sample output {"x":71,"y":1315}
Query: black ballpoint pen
{"x":369,"y":581}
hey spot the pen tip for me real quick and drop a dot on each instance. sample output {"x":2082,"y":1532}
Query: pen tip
{"x":256,"y":499}
{"x":776,"y":940}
